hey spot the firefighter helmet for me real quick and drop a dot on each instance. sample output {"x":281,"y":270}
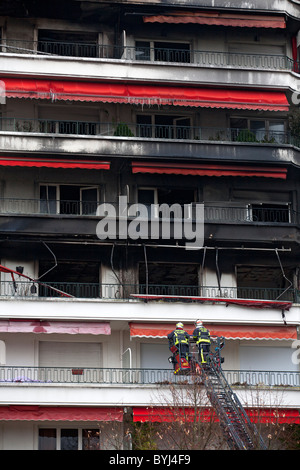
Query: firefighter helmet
{"x":179,"y":325}
{"x":199,"y":323}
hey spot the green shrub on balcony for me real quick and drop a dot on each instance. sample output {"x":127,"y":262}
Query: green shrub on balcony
{"x":246,"y":136}
{"x":123,"y":130}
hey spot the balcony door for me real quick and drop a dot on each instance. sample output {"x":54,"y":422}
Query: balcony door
{"x":69,"y":199}
{"x":162,"y":126}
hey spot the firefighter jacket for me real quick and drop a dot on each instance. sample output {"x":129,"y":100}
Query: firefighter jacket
{"x":201,"y":335}
{"x":179,"y":337}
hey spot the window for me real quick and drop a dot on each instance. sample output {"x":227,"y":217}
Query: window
{"x":169,"y":278}
{"x":80,"y":278}
{"x":68,"y":199}
{"x":277,"y":213}
{"x":68,"y":43}
{"x":264,"y":282}
{"x":257,"y":130}
{"x":69,"y":439}
{"x":163,"y":126}
{"x":163,"y":51}
{"x":169,"y":196}
{"x":154,"y":356}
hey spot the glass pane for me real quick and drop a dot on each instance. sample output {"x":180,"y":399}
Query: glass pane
{"x":89,"y":198}
{"x":142,"y":50}
{"x":172,"y":52}
{"x":48,"y":199}
{"x":47,"y":439}
{"x":144,"y":125}
{"x":90,"y":439}
{"x":146,"y":196}
{"x":276,"y":131}
{"x":69,"y":439}
{"x":258,"y":128}
{"x":237,"y":125}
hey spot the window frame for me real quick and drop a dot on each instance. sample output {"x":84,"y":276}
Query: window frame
{"x":58,"y":430}
{"x":152,"y":49}
{"x":81,"y":187}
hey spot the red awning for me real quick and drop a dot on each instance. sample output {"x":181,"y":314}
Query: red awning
{"x":59,"y":413}
{"x":54,"y":163}
{"x":254,"y":332}
{"x":203,"y":169}
{"x":145,"y":94}
{"x":169,"y":415}
{"x":219,"y":19}
{"x":63,"y":327}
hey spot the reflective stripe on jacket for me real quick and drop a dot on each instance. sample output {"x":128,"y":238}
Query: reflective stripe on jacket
{"x":181,"y":336}
{"x":202,"y":335}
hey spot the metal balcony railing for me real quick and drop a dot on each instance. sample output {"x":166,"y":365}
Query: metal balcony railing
{"x":124,"y":376}
{"x":146,"y":131}
{"x":146,"y":53}
{"x":31,"y":289}
{"x":213,"y":212}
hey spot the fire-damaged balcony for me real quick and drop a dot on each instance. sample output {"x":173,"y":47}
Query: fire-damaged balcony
{"x":191,"y":293}
{"x":79,"y":217}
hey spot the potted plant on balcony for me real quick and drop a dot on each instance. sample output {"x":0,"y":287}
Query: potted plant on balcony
{"x":122,"y":130}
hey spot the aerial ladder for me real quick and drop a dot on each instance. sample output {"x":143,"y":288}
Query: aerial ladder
{"x":239,"y":431}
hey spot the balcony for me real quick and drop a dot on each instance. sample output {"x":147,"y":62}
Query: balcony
{"x":148,"y":130}
{"x":114,"y":62}
{"x":136,"y":376}
{"x":47,"y":290}
{"x":53,"y":217}
{"x":180,"y":55}
{"x":137,"y":140}
{"x":214,"y":212}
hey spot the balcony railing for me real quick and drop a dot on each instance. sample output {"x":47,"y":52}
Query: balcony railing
{"x":31,"y":289}
{"x":146,"y":131}
{"x":213,"y":212}
{"x":151,"y":54}
{"x":123,"y":376}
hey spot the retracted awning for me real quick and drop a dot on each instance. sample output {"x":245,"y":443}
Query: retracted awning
{"x":186,"y":415}
{"x":54,"y":163}
{"x":253,"y":303}
{"x":203,"y":169}
{"x":247,"y":332}
{"x":145,"y":94}
{"x":59,"y":413}
{"x":48,"y":327}
{"x":219,"y":19}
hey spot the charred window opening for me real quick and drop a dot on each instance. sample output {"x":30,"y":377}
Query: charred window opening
{"x":270,"y":213}
{"x":80,"y":279}
{"x":169,"y":278}
{"x":261,"y":282}
{"x":68,"y":43}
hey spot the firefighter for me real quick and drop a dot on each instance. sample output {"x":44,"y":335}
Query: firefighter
{"x":202,"y":337}
{"x":180,"y":339}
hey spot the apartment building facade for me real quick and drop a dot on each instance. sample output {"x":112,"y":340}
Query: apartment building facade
{"x":107,"y":107}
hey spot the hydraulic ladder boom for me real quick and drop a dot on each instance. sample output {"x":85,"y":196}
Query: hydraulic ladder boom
{"x":240,"y":433}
